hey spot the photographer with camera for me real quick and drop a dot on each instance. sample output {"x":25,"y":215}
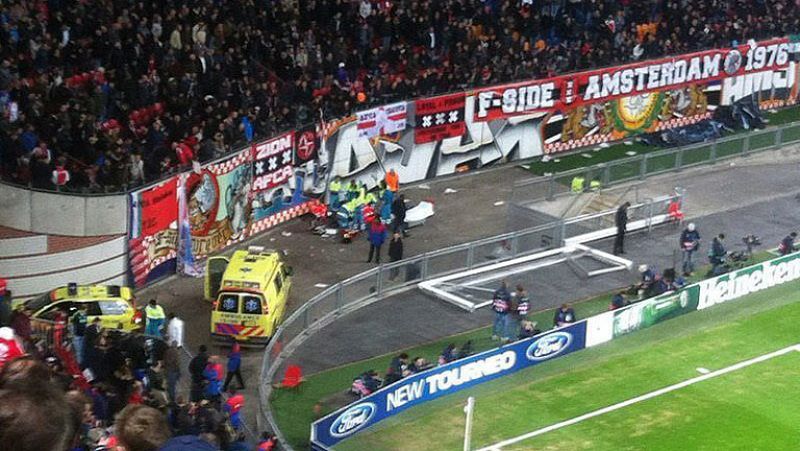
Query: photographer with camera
{"x":690,"y":243}
{"x":717,"y":256}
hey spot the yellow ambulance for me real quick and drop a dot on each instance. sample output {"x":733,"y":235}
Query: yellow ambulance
{"x":113,"y":304}
{"x":250,"y":291}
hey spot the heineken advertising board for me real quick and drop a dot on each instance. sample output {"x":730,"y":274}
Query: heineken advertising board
{"x":707,"y":293}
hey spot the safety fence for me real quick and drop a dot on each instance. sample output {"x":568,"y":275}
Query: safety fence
{"x":368,"y":287}
{"x":443,"y":380}
{"x":638,"y":167}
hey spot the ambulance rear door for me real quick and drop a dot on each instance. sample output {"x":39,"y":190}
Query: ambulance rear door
{"x":215,"y":269}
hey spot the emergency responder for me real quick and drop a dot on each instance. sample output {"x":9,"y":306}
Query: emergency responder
{"x":501,"y":304}
{"x":690,"y":243}
{"x":621,"y":221}
{"x":155,"y":318}
{"x":787,"y":244}
{"x":392,"y":181}
{"x":352,"y":191}
{"x":334,"y":189}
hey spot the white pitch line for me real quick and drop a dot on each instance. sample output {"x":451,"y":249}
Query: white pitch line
{"x":645,"y":397}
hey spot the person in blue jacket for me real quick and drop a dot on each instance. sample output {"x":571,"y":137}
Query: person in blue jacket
{"x":234,"y":367}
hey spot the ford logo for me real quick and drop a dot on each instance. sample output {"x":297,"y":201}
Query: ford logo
{"x":352,"y":419}
{"x":549,"y":346}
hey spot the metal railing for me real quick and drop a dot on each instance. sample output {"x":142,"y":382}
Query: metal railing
{"x":368,"y":287}
{"x":653,"y":163}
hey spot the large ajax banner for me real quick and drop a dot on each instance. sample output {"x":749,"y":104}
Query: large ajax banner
{"x":500,"y":362}
{"x":445,"y":380}
{"x":529,"y":119}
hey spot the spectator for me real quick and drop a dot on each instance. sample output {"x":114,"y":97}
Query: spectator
{"x":175,"y":329}
{"x":197,"y":368}
{"x":617,"y":301}
{"x":621,"y":222}
{"x":268,"y":442}
{"x":233,"y":407}
{"x":690,"y":243}
{"x":521,"y":307}
{"x":717,"y":256}
{"x":78,"y":322}
{"x":21,"y":323}
{"x":787,"y":244}
{"x":564,"y":316}
{"x":10,"y":346}
{"x":528,"y":329}
{"x":399,"y":213}
{"x":448,"y":355}
{"x":501,"y":304}
{"x":234,"y":367}
{"x":60,"y":176}
{"x":142,"y":428}
{"x":213,"y":380}
{"x":377,"y":236}
{"x":399,"y":365}
{"x":419,"y":365}
{"x":647,"y":282}
{"x":36,"y":420}
{"x":395,"y":253}
{"x":172,"y":368}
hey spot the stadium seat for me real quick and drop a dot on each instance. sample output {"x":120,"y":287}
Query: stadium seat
{"x":293,"y":377}
{"x":674,"y":212}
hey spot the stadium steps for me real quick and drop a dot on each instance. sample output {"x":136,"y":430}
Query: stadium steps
{"x":35,"y":263}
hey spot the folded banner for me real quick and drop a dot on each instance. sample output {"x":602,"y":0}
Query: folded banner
{"x":381,"y":120}
{"x":439,"y":118}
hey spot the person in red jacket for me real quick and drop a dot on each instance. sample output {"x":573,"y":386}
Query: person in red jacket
{"x":268,"y":442}
{"x":183,"y":153}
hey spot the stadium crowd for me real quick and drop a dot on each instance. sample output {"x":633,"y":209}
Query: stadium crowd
{"x":115,"y":391}
{"x":101,"y":95}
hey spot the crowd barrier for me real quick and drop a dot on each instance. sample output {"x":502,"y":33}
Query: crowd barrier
{"x":500,"y":362}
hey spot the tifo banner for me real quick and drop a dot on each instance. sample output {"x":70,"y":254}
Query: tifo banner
{"x":627,"y":116}
{"x":307,"y":144}
{"x":187,"y":263}
{"x":218,"y":207}
{"x":770,"y":89}
{"x":154,"y":235}
{"x":272,"y":160}
{"x":439,"y":118}
{"x":381,"y":120}
{"x":444,"y":380}
{"x":603,"y":85}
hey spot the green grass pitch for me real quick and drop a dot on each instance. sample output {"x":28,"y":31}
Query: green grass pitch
{"x":754,"y":408}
